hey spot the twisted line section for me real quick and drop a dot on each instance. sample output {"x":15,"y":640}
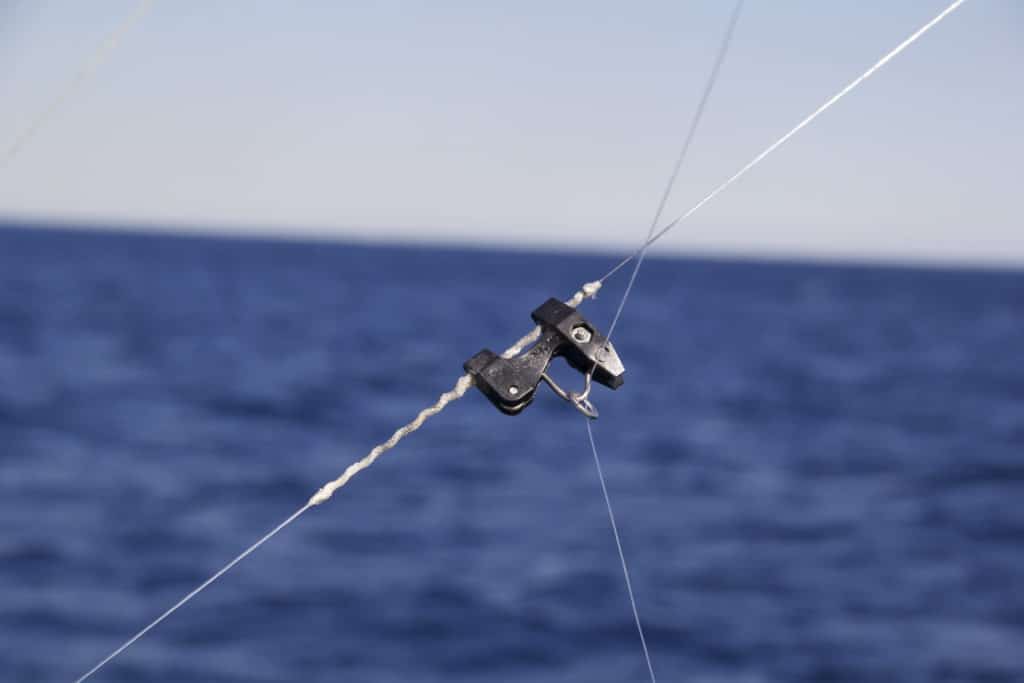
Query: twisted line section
{"x":327,"y":490}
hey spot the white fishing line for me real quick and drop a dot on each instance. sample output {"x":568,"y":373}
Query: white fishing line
{"x":652,"y":237}
{"x":84,"y":73}
{"x":588,"y":290}
{"x":174,"y":608}
{"x":463,"y":384}
{"x":698,"y":114}
{"x":622,"y":555}
{"x":796,"y":129}
{"x":709,"y":86}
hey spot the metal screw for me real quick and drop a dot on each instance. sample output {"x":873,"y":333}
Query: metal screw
{"x":581,"y":334}
{"x":513,"y":390}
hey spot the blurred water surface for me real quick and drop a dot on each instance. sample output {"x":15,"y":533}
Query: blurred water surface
{"x":817,"y":470}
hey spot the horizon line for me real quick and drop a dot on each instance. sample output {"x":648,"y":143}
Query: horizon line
{"x":404,"y":237}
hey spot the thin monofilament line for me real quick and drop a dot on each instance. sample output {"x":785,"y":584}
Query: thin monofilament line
{"x":622,"y":555}
{"x":778,"y":143}
{"x":248,"y":551}
{"x":652,"y":238}
{"x":593,"y":289}
{"x":587,"y":291}
{"x":698,"y":114}
{"x":94,"y":61}
{"x":709,"y":86}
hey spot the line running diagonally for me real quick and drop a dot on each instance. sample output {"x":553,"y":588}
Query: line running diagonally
{"x":723,"y":49}
{"x":198,"y":589}
{"x":325,"y":492}
{"x":618,"y":546}
{"x":709,"y":86}
{"x":589,"y":290}
{"x":84,"y":73}
{"x":652,"y":237}
{"x":793,"y":131}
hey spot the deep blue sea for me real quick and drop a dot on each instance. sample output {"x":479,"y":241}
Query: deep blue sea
{"x":818,"y":471}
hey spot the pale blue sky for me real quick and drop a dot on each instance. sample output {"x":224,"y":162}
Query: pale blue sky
{"x":549,"y":123}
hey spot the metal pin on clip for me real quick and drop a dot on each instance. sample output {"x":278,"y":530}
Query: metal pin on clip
{"x":511,"y":383}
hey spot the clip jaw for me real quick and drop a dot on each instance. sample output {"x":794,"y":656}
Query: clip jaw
{"x":511,"y":383}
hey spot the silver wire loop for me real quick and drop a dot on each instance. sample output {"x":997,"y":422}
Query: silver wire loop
{"x":578,"y":400}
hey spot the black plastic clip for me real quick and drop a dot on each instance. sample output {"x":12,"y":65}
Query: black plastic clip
{"x":511,"y":383}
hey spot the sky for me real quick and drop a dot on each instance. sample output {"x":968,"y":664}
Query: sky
{"x":524,"y":123}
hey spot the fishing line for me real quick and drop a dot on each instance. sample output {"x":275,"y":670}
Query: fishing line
{"x":723,"y":49}
{"x":587,"y":291}
{"x":622,"y":555}
{"x":778,"y":143}
{"x":709,"y":86}
{"x":174,"y":608}
{"x":89,"y":67}
{"x":323,"y":494}
{"x":639,"y":254}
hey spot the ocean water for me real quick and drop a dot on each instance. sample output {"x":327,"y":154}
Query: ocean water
{"x":818,"y":471}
